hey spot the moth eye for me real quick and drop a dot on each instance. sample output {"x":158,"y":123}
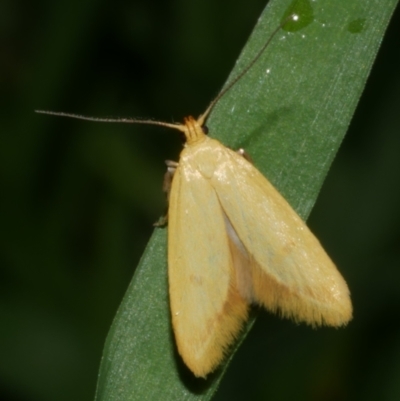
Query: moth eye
{"x":205,"y":129}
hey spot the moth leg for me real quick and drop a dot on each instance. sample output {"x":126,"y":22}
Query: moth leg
{"x":171,"y":167}
{"x":245,"y":155}
{"x":169,"y":174}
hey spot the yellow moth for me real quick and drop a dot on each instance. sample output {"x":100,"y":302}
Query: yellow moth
{"x":233,"y":241}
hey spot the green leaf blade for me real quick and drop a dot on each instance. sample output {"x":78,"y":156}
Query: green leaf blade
{"x":290,"y":112}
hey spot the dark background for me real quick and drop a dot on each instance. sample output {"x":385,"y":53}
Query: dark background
{"x":78,"y":199}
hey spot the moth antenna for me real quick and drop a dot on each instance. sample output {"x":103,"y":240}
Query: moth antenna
{"x":111,"y":120}
{"x":203,"y":117}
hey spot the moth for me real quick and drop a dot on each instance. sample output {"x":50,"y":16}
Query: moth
{"x":233,"y":241}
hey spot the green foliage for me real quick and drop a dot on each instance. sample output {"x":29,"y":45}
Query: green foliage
{"x":291,"y":112}
{"x":78,"y":199}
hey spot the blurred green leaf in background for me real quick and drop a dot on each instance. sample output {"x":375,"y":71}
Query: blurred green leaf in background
{"x":79,"y":199}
